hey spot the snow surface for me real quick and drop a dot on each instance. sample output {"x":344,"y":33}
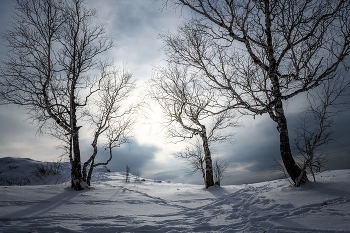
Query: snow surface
{"x":111,"y":205}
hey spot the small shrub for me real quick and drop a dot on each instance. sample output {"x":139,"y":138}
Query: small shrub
{"x":127,"y":174}
{"x":46,"y":169}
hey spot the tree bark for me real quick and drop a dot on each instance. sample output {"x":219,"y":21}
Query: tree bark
{"x":90,"y":160}
{"x":76,"y":164}
{"x":88,"y":180}
{"x":202,"y":170}
{"x":209,"y":180}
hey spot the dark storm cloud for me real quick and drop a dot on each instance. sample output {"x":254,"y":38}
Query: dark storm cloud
{"x":256,"y":151}
{"x":339,"y":150}
{"x":341,"y":128}
{"x":256,"y":142}
{"x":248,"y":177}
{"x":251,"y":158}
{"x":340,"y":160}
{"x":134,"y":155}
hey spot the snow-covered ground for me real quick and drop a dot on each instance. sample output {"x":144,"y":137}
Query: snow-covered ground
{"x":111,"y":205}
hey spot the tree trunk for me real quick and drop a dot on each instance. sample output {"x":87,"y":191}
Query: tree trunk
{"x":87,"y":163}
{"x":292,"y":168}
{"x":85,"y":173}
{"x":84,"y":170}
{"x":209,"y":180}
{"x":88,"y":180}
{"x":202,"y":170}
{"x":76,"y":165}
{"x":90,"y":160}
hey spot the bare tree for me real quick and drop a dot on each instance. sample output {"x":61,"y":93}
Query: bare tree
{"x":220,"y":167}
{"x":186,"y":107}
{"x":108,"y":114}
{"x":259,"y":54}
{"x":53,"y":49}
{"x":313,"y":128}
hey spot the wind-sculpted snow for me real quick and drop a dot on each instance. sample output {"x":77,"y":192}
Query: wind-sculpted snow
{"x":112,"y":205}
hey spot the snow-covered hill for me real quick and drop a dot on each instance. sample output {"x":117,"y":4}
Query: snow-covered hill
{"x":142,"y":205}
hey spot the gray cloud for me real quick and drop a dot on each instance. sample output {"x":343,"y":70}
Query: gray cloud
{"x":252,"y":157}
{"x":12,"y":123}
{"x":135,"y":27}
{"x":19,"y":137}
{"x":247,"y":177}
{"x":134,"y":155}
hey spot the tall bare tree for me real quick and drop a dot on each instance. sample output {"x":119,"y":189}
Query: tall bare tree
{"x":260,"y":54}
{"x":53,"y":50}
{"x":187,"y":109}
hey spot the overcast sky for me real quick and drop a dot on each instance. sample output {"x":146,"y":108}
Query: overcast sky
{"x":135,"y":26}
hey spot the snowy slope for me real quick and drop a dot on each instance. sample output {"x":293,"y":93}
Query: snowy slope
{"x":25,"y":171}
{"x":112,"y":205}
